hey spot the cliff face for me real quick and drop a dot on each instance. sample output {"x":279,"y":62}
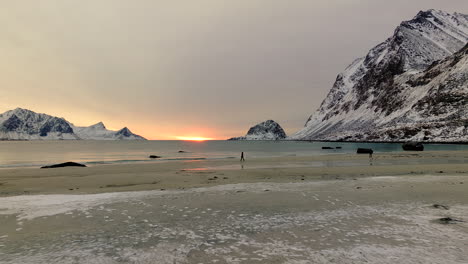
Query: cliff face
{"x":392,"y":87}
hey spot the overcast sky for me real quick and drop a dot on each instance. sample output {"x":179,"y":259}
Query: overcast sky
{"x":209,"y":68}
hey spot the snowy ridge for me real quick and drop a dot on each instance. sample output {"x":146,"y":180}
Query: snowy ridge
{"x":99,"y":132}
{"x":373,"y":92}
{"x":23,"y":124}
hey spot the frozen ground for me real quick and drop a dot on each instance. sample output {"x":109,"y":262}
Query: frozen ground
{"x":374,"y":220}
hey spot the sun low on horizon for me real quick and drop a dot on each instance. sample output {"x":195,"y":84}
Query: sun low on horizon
{"x":186,"y":138}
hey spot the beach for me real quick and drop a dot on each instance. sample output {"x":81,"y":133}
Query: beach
{"x":202,"y":173}
{"x":342,"y":208}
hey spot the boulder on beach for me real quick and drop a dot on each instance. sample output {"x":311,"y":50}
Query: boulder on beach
{"x":154,"y":157}
{"x":328,"y":148}
{"x":413,"y":146}
{"x":65,"y":164}
{"x":364,"y":151}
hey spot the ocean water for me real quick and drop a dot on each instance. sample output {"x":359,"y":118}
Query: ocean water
{"x":39,"y":153}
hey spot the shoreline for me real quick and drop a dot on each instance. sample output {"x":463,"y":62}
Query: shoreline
{"x":298,"y":140}
{"x":180,"y":175}
{"x":385,"y":142}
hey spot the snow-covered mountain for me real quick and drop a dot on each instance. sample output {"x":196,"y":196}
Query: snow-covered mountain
{"x":99,"y":132}
{"x":410,"y":87}
{"x":23,"y":124}
{"x":268,"y":130}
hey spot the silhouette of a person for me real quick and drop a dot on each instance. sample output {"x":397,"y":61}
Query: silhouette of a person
{"x":242,"y":156}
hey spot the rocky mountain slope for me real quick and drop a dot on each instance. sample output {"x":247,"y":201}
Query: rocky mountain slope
{"x":410,"y":87}
{"x":22,"y":124}
{"x":268,"y":130}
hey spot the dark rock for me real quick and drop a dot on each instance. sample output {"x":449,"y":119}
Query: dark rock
{"x":364,"y":151}
{"x":440,"y":206}
{"x":154,"y":157}
{"x":124,"y":132}
{"x":182,"y":151}
{"x":328,"y":148}
{"x":66,"y":164}
{"x":449,"y":220}
{"x":413,"y":146}
{"x":237,"y":138}
{"x":12,"y":123}
{"x":55,"y":125}
{"x":338,"y":147}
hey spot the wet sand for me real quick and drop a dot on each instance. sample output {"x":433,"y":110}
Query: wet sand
{"x":179,"y":175}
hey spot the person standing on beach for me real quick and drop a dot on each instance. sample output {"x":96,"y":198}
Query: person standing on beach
{"x":242,"y":156}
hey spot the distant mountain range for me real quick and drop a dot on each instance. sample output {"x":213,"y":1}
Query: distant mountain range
{"x":413,"y":86}
{"x":268,"y":130}
{"x":23,"y":124}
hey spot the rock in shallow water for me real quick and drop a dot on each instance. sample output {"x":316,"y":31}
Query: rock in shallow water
{"x":66,"y":164}
{"x":413,"y":146}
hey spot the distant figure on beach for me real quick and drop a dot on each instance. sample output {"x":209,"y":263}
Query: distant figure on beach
{"x":242,"y":156}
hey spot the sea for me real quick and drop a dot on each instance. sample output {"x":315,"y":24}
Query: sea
{"x":15,"y":154}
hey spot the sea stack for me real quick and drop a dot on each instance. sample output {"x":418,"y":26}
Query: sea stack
{"x":268,"y":130}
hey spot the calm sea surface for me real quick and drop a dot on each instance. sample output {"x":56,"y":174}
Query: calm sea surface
{"x":38,"y":153}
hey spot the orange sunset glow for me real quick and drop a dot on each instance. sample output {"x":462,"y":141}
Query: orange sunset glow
{"x":194,"y":138}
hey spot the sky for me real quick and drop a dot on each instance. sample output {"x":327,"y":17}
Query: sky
{"x":205,"y":68}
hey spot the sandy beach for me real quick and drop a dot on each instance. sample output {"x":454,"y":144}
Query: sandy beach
{"x":324,"y":209}
{"x":203,"y":173}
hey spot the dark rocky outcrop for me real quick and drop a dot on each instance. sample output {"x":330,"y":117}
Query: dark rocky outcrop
{"x":154,"y":157}
{"x":449,"y":220}
{"x":413,"y":146}
{"x":365,"y":151}
{"x":441,"y":206}
{"x":65,"y":164}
